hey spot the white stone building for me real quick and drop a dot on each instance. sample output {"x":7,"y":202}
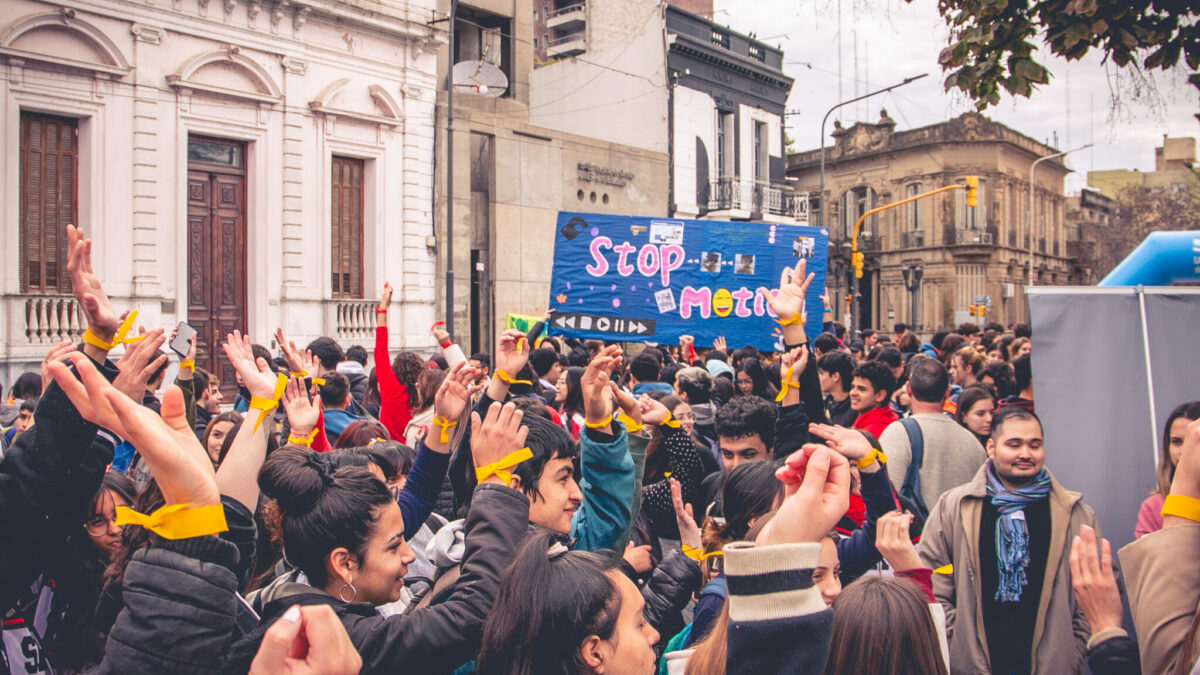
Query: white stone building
{"x":240,"y":164}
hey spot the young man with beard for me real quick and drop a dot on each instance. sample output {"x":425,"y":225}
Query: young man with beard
{"x":1000,"y":546}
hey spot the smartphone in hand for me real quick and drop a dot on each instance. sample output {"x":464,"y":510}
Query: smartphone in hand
{"x":183,"y":338}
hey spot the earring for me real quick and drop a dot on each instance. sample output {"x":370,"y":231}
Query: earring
{"x":342,"y":593}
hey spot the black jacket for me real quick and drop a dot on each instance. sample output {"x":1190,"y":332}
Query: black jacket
{"x":435,"y":639}
{"x":47,"y":480}
{"x":669,"y":590}
{"x":180,"y":608}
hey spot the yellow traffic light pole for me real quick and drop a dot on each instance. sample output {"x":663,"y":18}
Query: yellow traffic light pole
{"x":856,"y":258}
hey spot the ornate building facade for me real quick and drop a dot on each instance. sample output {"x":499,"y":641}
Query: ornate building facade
{"x":928,"y":261}
{"x":239,"y":163}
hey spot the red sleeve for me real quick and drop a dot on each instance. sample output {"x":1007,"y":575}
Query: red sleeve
{"x":394,"y":411}
{"x":921,"y":576}
{"x":320,"y":442}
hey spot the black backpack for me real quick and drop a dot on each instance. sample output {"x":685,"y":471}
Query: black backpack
{"x":911,"y":489}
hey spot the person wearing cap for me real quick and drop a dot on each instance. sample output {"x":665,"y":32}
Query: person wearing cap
{"x":858,"y":350}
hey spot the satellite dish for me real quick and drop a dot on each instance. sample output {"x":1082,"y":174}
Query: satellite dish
{"x":479,"y":77}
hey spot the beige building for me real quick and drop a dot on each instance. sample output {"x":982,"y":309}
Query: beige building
{"x":928,"y":261}
{"x":1172,"y":167}
{"x":511,"y":177}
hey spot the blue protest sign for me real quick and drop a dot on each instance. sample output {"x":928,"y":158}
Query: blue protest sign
{"x":634,"y":278}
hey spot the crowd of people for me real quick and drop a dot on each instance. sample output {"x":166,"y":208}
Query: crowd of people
{"x":842,"y":504}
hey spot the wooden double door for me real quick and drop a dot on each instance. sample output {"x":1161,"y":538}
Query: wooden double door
{"x":216,"y":250}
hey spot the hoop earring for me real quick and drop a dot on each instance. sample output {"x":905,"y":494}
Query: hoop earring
{"x":342,"y":593}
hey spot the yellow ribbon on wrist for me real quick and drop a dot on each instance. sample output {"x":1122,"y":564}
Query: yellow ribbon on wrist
{"x":444,"y":423}
{"x":118,"y":339}
{"x":796,"y":319}
{"x":870,"y":459}
{"x":597,"y":425}
{"x":303,"y":440}
{"x":500,"y":469}
{"x":786,"y":383}
{"x":266,"y":406}
{"x":177,"y":521}
{"x":631,"y":426}
{"x":508,"y":379}
{"x":318,"y":382}
{"x":693,"y":553}
{"x":300,"y":374}
{"x":1182,"y":506}
{"x":188,"y":365}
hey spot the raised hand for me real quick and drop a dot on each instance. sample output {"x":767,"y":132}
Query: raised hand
{"x":291,"y":353}
{"x":57,"y":353}
{"x":302,"y":412}
{"x":689,"y":532}
{"x":849,"y":443}
{"x":86,"y":287}
{"x":796,"y":359}
{"x":307,"y":641}
{"x":788,"y":300}
{"x":893,"y":543}
{"x":456,"y":391}
{"x":385,"y":298}
{"x":497,"y":436}
{"x":138,"y":363}
{"x":817,"y":493}
{"x":256,"y":374}
{"x":168,"y":444}
{"x":509,"y":357}
{"x":653,"y":412}
{"x":638,"y":557}
{"x":1092,"y":578}
{"x":186,"y":374}
{"x":597,"y":398}
{"x":719,"y":343}
{"x":629,"y":405}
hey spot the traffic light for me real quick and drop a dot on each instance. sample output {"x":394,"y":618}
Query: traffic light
{"x":972,"y":190}
{"x":856,"y":259}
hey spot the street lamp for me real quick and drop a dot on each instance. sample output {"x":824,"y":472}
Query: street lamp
{"x":912,"y":283}
{"x":1039,"y":160}
{"x":821,"y":193}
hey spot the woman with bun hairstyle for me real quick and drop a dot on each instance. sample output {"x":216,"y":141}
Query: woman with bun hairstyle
{"x":346,"y":533}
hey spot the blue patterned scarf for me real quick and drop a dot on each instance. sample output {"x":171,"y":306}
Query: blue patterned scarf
{"x":1012,"y":535}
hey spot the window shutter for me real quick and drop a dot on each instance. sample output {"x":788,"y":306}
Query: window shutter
{"x":49,"y":160}
{"x":346,"y":235}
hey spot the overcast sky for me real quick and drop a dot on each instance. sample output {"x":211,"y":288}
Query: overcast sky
{"x":896,"y":40}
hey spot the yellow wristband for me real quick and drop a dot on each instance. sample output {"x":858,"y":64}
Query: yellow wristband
{"x":178,"y":521}
{"x":318,"y":382}
{"x":266,"y":406}
{"x":508,"y":379}
{"x":300,"y":374}
{"x":1182,"y":507}
{"x":630,"y":425}
{"x":118,"y":339}
{"x":444,"y":424}
{"x":303,"y":440}
{"x":870,"y":459}
{"x":500,"y":468}
{"x":188,"y":365}
{"x":787,"y":383}
{"x":693,"y":553}
{"x":795,"y":319}
{"x":597,"y":425}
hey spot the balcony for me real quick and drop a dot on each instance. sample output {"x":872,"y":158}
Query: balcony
{"x":912,"y":239}
{"x":50,"y":319}
{"x":1081,"y":250}
{"x":968,"y":237}
{"x":567,"y":19}
{"x":748,"y":199}
{"x":563,"y":46}
{"x":354,"y":319}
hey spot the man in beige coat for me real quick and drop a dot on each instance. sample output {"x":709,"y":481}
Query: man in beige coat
{"x":1000,"y":549}
{"x":1161,"y":576}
